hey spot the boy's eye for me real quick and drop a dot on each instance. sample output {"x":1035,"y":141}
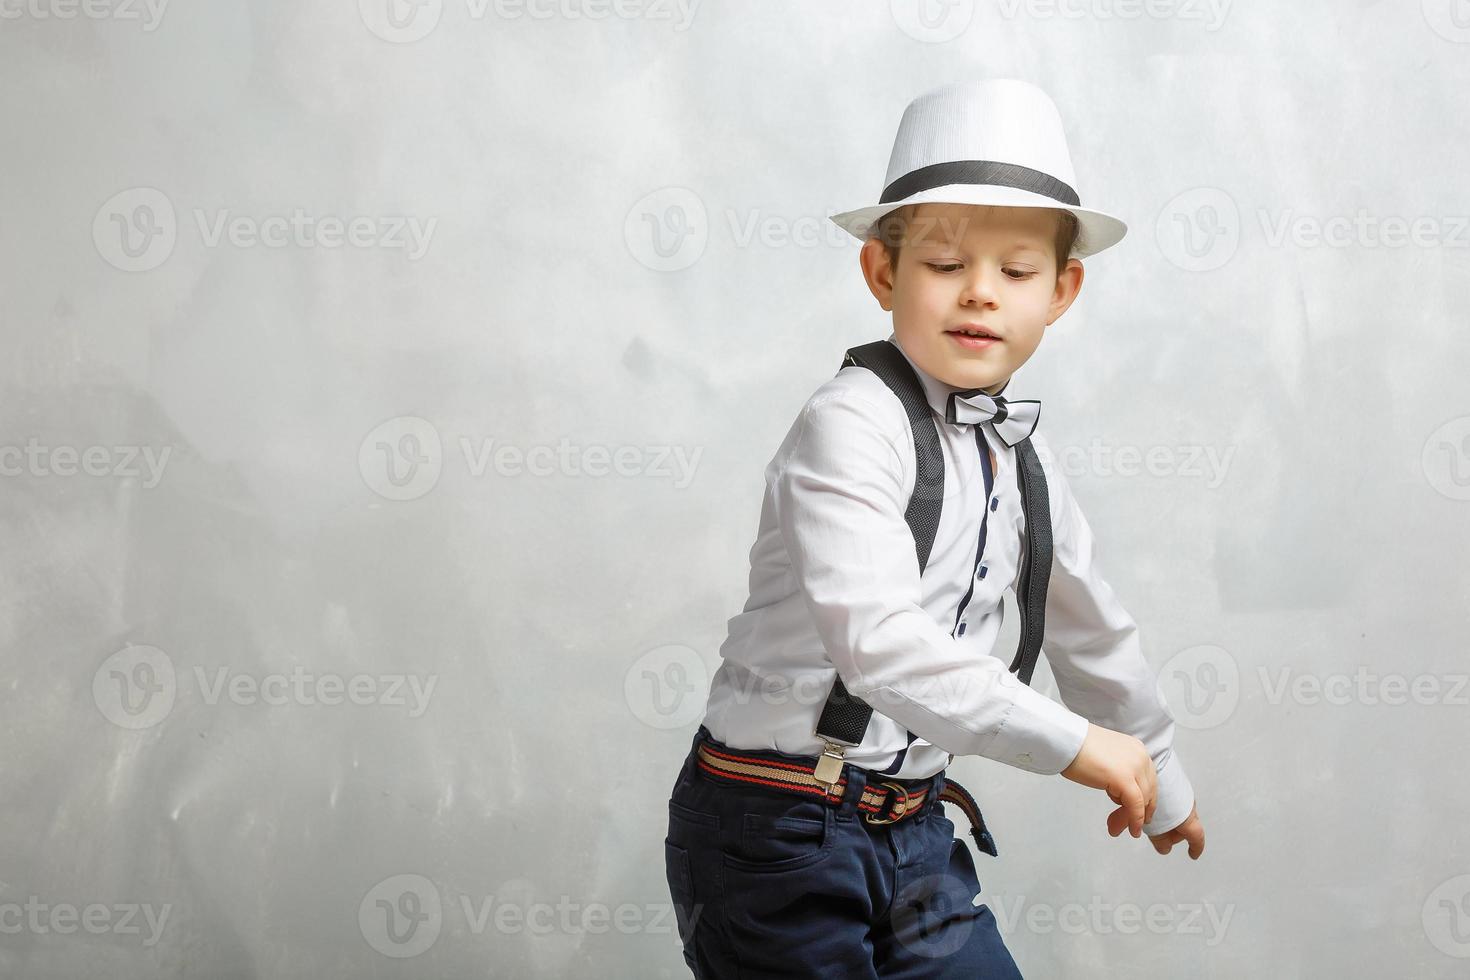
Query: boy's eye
{"x":952,"y":266}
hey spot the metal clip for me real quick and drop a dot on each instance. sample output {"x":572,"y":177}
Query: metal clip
{"x":829,"y":765}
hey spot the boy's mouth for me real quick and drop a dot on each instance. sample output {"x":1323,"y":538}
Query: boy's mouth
{"x":973,"y":336}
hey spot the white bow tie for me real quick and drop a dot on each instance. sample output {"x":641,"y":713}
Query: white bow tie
{"x":1012,"y":420}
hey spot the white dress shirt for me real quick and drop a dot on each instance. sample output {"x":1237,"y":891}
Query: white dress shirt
{"x":835,"y":589}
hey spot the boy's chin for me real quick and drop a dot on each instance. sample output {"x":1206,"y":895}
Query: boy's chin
{"x":976,"y":379}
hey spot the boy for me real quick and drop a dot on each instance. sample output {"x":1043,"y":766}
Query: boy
{"x":806,"y":836}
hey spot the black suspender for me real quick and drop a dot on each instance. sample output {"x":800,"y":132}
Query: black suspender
{"x":1036,"y":570}
{"x":844,"y":719}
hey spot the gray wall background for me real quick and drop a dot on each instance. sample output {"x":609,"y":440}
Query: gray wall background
{"x":346,"y":352}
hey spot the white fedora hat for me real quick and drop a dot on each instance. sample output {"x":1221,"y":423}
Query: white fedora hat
{"x":998,"y":141}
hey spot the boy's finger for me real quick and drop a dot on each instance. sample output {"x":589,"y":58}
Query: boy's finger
{"x":1145,"y":806}
{"x":1148,"y":781}
{"x":1133,"y":800}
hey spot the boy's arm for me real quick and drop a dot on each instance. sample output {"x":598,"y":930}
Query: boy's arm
{"x":838,"y":493}
{"x":1091,"y":643}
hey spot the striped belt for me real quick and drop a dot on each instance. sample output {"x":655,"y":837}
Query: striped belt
{"x":885,"y":803}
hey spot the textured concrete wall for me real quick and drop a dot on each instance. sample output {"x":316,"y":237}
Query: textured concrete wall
{"x":385,"y":396}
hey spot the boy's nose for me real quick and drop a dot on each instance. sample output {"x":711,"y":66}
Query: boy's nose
{"x":979,"y":286}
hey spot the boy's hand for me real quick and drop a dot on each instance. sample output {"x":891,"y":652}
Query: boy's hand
{"x":1119,"y":764}
{"x":1190,"y":830}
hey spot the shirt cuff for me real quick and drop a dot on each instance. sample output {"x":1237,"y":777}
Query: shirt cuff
{"x":1176,"y":797}
{"x":1038,"y":734}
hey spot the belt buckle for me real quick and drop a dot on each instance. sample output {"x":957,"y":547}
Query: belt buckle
{"x":897,"y":810}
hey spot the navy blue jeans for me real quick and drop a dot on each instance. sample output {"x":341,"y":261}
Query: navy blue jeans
{"x":768,"y":884}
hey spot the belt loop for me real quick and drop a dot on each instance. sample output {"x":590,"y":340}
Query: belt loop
{"x":857,"y":781}
{"x":925,"y":786}
{"x":689,"y":771}
{"x":702,"y":736}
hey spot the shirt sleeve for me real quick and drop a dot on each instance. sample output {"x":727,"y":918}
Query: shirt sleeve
{"x":838,"y":493}
{"x":1092,"y":645}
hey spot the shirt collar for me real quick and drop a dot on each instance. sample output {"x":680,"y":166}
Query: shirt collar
{"x":936,"y":392}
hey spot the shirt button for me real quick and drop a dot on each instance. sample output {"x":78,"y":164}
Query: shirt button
{"x":982,"y":571}
{"x":994,"y":502}
{"x":1024,"y":757}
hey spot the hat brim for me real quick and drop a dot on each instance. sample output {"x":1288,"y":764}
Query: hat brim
{"x":1098,"y":229}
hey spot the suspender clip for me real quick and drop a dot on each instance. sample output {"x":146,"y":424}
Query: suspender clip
{"x":829,"y":764}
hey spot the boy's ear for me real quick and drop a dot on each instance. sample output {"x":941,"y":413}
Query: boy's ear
{"x":1069,"y":284}
{"x":877,"y":272}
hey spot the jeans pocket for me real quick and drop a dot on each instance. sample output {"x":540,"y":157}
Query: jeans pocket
{"x":680,"y":874}
{"x":774,"y":842}
{"x":685,"y":821}
{"x":942,"y":820}
{"x":962,"y":867}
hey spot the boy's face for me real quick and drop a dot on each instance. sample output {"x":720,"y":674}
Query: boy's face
{"x":982,"y":267}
